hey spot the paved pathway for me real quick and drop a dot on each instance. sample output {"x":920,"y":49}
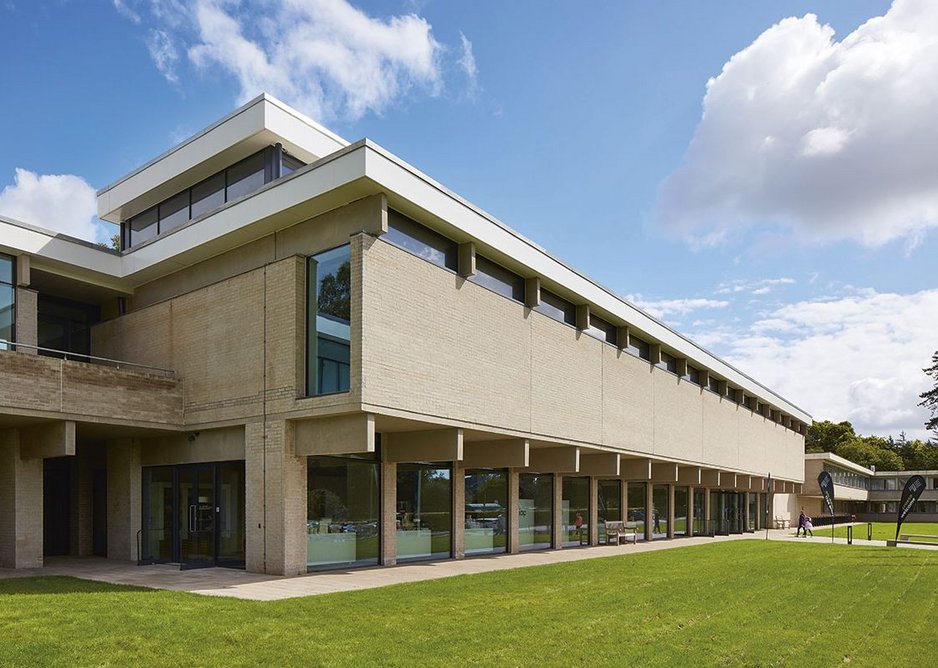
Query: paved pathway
{"x":253,"y":586}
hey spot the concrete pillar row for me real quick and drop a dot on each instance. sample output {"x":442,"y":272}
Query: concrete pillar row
{"x":123,"y":498}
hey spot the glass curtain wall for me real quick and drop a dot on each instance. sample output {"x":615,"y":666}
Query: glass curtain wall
{"x":535,"y":510}
{"x":231,"y":506}
{"x":343,"y":510}
{"x":716,"y":513}
{"x":158,"y":520}
{"x":424,"y":512}
{"x":328,"y":320}
{"x":680,"y":511}
{"x":659,"y":511}
{"x":700,"y":521}
{"x":610,"y":504}
{"x":575,"y":510}
{"x":486,"y":529}
{"x":7,"y":301}
{"x":636,"y":509}
{"x":753,"y":511}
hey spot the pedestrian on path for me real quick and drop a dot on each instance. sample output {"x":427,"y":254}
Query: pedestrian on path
{"x":801,"y":526}
{"x":808,"y":527}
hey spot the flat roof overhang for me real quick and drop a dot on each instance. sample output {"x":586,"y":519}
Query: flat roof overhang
{"x":363,"y":169}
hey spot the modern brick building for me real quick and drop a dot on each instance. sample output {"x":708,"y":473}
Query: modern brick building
{"x":309,"y":354}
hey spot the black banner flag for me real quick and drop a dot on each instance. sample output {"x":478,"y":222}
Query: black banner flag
{"x":826,"y":484}
{"x":913,"y":489}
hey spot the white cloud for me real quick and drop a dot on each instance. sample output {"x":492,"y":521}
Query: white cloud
{"x":467,"y":63}
{"x":324,"y":56}
{"x":664,"y":308}
{"x":755,"y":287}
{"x":828,"y":139}
{"x":59,"y":202}
{"x":126,"y":11}
{"x":857,"y":358}
{"x":164,"y":54}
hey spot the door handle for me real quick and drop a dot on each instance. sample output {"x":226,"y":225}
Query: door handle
{"x":192,"y":519}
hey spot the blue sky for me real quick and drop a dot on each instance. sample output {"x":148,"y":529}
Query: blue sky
{"x":784,"y":219}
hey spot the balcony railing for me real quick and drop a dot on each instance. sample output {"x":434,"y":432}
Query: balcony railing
{"x":88,"y":359}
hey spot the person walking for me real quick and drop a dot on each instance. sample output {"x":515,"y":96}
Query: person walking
{"x":801,"y":526}
{"x":808,"y":527}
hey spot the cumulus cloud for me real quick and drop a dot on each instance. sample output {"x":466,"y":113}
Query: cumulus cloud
{"x":59,"y":202}
{"x":827,"y":139}
{"x":325,"y":57}
{"x":664,"y":308}
{"x":858,"y":357}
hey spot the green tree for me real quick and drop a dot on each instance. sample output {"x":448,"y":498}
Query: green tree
{"x":335,"y":293}
{"x":871,"y":452}
{"x":930,"y":398}
{"x":826,"y":436}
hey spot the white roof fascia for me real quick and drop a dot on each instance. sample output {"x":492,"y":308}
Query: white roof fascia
{"x":399,"y":177}
{"x":62,"y":254}
{"x":264,"y":115}
{"x":240,"y":220}
{"x":841,"y":462}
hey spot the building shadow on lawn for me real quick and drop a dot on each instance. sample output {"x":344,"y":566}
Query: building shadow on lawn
{"x":60,"y":584}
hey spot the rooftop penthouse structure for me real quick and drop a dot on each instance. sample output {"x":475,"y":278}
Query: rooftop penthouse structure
{"x":308,"y":354}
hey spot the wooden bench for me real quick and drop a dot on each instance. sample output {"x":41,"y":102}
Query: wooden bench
{"x":616,"y":532}
{"x":782,"y":523}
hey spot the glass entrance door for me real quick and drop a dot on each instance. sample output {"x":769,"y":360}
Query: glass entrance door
{"x":196,"y":512}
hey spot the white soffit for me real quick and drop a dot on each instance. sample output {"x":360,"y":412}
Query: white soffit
{"x":261,"y":122}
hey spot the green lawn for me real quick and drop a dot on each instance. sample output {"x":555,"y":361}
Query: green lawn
{"x":881,"y":530}
{"x":741,"y":603}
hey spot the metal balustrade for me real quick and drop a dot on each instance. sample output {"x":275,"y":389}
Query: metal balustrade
{"x":88,"y":359}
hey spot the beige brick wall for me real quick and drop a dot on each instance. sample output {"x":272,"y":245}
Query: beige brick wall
{"x":75,"y":390}
{"x":440,"y":347}
{"x":20,"y":505}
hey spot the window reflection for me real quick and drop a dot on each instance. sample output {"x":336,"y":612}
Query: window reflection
{"x":7,"y":301}
{"x":636,"y":510}
{"x":486,"y":512}
{"x":536,"y":512}
{"x":424,"y":512}
{"x":575,"y":510}
{"x":328,"y":321}
{"x":342,"y":512}
{"x":610,"y":504}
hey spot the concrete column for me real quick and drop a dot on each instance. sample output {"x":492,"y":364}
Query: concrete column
{"x":459,"y":510}
{"x":514,"y":519}
{"x":123,"y":498}
{"x":27,"y":325}
{"x":690,"y":511}
{"x":706,"y":508}
{"x":388,"y":513}
{"x":559,"y":522}
{"x":276,"y":491}
{"x":594,"y":511}
{"x":624,"y":500}
{"x":670,"y":511}
{"x":649,"y":510}
{"x":20,"y":505}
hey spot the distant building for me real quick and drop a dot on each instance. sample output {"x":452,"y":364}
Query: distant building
{"x":308,"y":354}
{"x":870,"y":495}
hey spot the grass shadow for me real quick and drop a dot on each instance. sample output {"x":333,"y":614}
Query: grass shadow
{"x":60,"y":584}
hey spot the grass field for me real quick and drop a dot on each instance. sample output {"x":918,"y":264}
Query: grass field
{"x":741,"y":603}
{"x":881,"y":530}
